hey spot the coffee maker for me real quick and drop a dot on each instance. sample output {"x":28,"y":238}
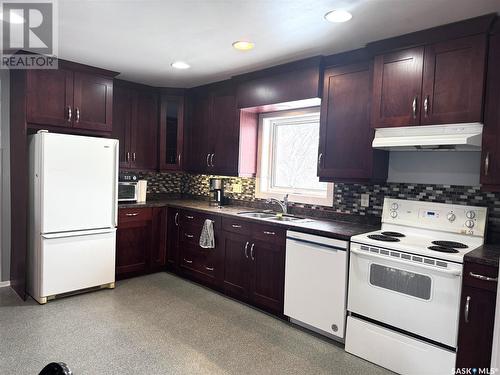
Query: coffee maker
{"x":216,"y":192}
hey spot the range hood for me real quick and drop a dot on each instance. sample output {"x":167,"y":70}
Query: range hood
{"x":449,"y":137}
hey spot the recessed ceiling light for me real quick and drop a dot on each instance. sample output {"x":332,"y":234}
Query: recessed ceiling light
{"x":14,"y":18}
{"x":338,"y":16}
{"x":180,"y":65}
{"x":242,"y":45}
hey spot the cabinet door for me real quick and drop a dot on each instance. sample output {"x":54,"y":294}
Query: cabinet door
{"x":453,"y":81}
{"x":200,"y":138}
{"x":475,"y":334}
{"x":224,"y":129}
{"x":397,"y":86}
{"x":345,"y":150}
{"x":236,"y":265}
{"x":172,"y":238}
{"x":267,"y":275}
{"x":159,"y":249}
{"x":121,"y":123}
{"x":93,"y":102}
{"x":144,"y":128}
{"x":50,"y":97}
{"x":171,"y":132}
{"x":490,"y":167}
{"x":133,"y":244}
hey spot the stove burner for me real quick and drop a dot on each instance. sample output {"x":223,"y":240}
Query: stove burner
{"x":393,"y":234}
{"x":456,"y":245}
{"x":380,"y":237}
{"x":443,"y":249}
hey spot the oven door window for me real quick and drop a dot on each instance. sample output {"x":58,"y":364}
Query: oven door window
{"x":126,"y":191}
{"x":401,"y":281}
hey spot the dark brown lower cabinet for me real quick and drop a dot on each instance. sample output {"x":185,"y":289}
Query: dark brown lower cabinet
{"x":477,"y":316}
{"x":140,"y":241}
{"x":254,"y":264}
{"x":172,"y":239}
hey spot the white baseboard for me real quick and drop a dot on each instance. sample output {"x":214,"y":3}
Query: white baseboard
{"x":4,"y":284}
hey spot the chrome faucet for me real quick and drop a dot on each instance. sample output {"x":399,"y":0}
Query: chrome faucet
{"x":283,"y":205}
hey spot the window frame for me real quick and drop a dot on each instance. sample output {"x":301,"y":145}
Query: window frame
{"x":265,"y":172}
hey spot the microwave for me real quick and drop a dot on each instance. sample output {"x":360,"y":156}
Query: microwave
{"x":127,"y":187}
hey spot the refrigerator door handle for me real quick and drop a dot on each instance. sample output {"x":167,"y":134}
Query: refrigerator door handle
{"x":115,"y":189}
{"x":78,"y":233}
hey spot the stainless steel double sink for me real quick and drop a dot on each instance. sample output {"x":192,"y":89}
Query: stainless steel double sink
{"x":271,"y":216}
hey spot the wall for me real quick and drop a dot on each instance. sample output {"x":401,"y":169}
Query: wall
{"x":347,"y":197}
{"x":5,"y":177}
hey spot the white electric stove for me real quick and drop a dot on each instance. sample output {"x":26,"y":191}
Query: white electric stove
{"x":405,"y":284}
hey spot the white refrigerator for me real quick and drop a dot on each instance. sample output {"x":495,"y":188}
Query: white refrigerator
{"x":73,"y":197}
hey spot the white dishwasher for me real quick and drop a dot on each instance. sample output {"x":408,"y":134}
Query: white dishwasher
{"x":316,"y":283}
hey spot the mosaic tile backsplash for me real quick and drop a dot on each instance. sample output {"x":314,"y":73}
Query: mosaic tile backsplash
{"x":347,"y":197}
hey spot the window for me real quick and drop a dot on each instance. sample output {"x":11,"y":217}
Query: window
{"x":288,"y":152}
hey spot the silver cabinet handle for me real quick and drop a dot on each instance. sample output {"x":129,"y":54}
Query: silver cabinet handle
{"x":209,"y":268}
{"x":189,"y":217}
{"x":212,"y":160}
{"x":189,"y":235}
{"x":487,"y":164}
{"x":426,"y":105}
{"x":133,"y":156}
{"x":128,"y":156}
{"x":132,"y":214}
{"x":269,"y":233}
{"x":70,"y":113}
{"x":208,"y":157}
{"x":77,"y":113}
{"x":176,"y":219}
{"x":236,"y":226}
{"x":246,"y":250}
{"x":179,"y":158}
{"x":466,"y":310}
{"x":320,"y":157}
{"x":414,"y":107}
{"x":251,"y":252}
{"x":188,"y":261}
{"x":481,"y":277}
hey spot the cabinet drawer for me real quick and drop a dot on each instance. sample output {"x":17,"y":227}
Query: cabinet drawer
{"x":195,"y":219}
{"x":134,"y":214}
{"x":190,"y":236}
{"x":269,"y":233}
{"x":236,"y":226}
{"x":475,"y":274}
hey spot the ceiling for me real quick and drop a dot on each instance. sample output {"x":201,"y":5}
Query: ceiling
{"x":141,"y":39}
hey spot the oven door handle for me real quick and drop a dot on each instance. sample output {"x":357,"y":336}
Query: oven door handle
{"x":396,"y":260}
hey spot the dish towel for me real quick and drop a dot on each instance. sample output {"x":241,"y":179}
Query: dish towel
{"x":207,"y":237}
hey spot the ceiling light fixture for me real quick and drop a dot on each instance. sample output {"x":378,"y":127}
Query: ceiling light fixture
{"x":338,"y":16}
{"x":242,"y":45}
{"x":180,"y":65}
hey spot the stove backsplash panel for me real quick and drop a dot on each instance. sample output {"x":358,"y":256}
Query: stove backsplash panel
{"x":347,"y":197}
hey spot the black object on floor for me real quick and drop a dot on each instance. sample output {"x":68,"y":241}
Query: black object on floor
{"x":54,"y":368}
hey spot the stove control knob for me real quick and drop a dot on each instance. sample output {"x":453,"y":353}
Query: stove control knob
{"x":394,"y":206}
{"x":394,"y":214}
{"x":451,"y":217}
{"x":470,"y":214}
{"x":469,"y":223}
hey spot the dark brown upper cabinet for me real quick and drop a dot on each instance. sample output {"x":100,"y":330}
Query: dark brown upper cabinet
{"x":223,"y":138}
{"x":436,"y":84}
{"x":135,"y":110}
{"x":70,"y":98}
{"x":92,"y":102}
{"x":345,"y":151}
{"x":490,"y":161}
{"x":171,"y":132}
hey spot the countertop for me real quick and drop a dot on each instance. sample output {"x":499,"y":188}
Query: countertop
{"x":488,"y":254}
{"x":338,"y":229}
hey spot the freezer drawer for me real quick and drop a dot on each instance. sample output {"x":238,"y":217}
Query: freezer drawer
{"x":73,"y":261}
{"x":316,"y":282}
